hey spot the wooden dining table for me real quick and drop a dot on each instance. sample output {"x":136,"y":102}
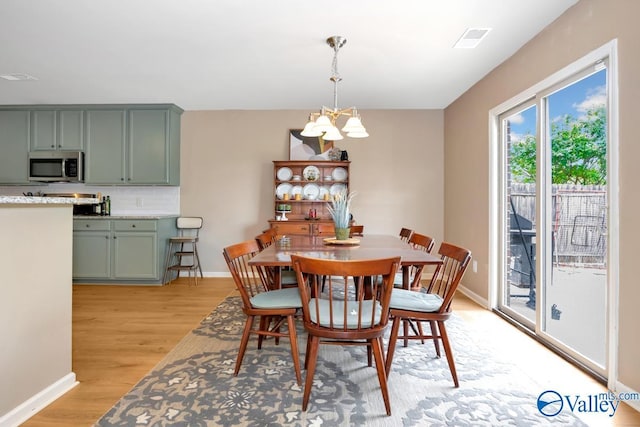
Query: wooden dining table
{"x":370,"y":246}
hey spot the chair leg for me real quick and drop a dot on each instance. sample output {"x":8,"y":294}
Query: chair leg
{"x":447,"y":350}
{"x":167,"y":262}
{"x":243,"y":343}
{"x":311,"y":369}
{"x":307,"y":352}
{"x":197,"y":260}
{"x":369,"y":358}
{"x":405,"y":327}
{"x":264,"y":325}
{"x":436,"y":336}
{"x":382,"y":376}
{"x":392,"y":344}
{"x":291,"y":325}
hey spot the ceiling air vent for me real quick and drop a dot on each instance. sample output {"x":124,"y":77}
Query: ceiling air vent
{"x":471,"y":38}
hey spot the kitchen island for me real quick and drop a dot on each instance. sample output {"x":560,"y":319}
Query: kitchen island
{"x":35,"y":303}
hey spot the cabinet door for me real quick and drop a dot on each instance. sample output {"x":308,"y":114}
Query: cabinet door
{"x":71,"y":130}
{"x":14,"y":145}
{"x":43,"y":130}
{"x":105,"y":151}
{"x":91,"y":255}
{"x":135,"y":255}
{"x":148,"y":147}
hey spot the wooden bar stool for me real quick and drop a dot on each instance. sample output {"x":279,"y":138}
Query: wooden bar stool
{"x":182,"y":254}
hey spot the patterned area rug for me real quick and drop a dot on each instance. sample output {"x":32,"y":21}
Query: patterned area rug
{"x":194,"y":385}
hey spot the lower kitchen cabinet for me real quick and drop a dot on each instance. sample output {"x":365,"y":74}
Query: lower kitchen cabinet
{"x":120,"y":250}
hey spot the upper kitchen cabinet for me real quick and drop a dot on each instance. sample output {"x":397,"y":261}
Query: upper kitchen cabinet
{"x":105,"y":152}
{"x":57,"y":129}
{"x":14,"y":146}
{"x":133,"y":145}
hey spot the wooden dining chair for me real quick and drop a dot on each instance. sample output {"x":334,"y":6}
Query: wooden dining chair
{"x":356,"y":230}
{"x":287,"y":275}
{"x":272,"y":307}
{"x":433,"y":306}
{"x":405,"y":234}
{"x":266,"y":238}
{"x":345,"y":313}
{"x":420,"y":242}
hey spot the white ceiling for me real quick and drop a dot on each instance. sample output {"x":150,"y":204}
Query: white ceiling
{"x":257,"y":54}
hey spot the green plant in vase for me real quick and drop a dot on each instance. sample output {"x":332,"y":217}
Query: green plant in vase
{"x":340,"y":210}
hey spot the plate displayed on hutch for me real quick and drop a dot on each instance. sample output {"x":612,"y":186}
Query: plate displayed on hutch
{"x":323,"y":190}
{"x":311,"y":173}
{"x":337,"y":188}
{"x":311,"y":191}
{"x":284,"y":174}
{"x":297,"y":189}
{"x":283,"y":189}
{"x":339,"y":174}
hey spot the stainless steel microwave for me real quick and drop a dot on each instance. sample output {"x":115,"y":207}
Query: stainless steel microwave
{"x":56,"y":166}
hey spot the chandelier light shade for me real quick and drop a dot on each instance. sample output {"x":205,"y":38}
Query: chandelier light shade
{"x":323,"y":123}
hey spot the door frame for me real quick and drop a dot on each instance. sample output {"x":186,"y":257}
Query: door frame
{"x":496,"y":174}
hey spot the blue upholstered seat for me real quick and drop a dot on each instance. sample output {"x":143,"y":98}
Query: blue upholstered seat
{"x":338,"y":313}
{"x":281,"y":298}
{"x":402,"y":299}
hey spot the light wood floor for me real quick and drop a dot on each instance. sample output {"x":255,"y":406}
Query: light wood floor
{"x":121,"y":332}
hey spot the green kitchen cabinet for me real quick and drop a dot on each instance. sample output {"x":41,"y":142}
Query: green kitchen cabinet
{"x":134,"y":145}
{"x":120,"y":250}
{"x":57,"y":129}
{"x":105,"y":151}
{"x":14,"y":143}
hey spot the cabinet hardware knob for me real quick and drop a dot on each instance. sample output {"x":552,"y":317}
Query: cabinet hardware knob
{"x":133,"y":226}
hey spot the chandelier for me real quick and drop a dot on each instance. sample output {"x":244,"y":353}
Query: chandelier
{"x":324,"y":122}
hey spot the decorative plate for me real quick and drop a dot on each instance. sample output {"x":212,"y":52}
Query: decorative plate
{"x":337,"y":188}
{"x":284,"y":174}
{"x":311,"y":173}
{"x":296,"y":189}
{"x":339,"y":174}
{"x":323,"y":190}
{"x":283,"y":189}
{"x":311,"y":191}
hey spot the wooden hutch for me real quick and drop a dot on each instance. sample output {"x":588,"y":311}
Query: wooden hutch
{"x":302,"y":192}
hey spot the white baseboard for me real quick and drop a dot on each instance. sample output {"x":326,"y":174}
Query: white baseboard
{"x":634,"y":403}
{"x":216,"y":274}
{"x":33,"y":405}
{"x":475,"y":297}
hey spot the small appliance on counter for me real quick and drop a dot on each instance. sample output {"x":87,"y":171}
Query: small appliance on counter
{"x":94,"y":209}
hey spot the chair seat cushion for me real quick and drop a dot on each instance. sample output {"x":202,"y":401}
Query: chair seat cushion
{"x":403,"y":299}
{"x":288,"y":277}
{"x":281,"y":298}
{"x":338,"y":313}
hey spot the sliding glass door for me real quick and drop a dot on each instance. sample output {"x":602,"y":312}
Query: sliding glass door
{"x":554,"y":215}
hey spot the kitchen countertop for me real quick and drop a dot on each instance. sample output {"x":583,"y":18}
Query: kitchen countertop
{"x":47,"y":200}
{"x":130,"y":216}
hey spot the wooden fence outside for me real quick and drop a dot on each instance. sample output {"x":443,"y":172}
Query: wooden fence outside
{"x":579,"y":220}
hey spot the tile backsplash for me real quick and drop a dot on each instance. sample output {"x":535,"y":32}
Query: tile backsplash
{"x":134,"y":200}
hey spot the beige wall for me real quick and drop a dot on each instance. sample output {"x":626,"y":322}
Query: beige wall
{"x":35,"y":308}
{"x":583,"y":28}
{"x":227,"y":172}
